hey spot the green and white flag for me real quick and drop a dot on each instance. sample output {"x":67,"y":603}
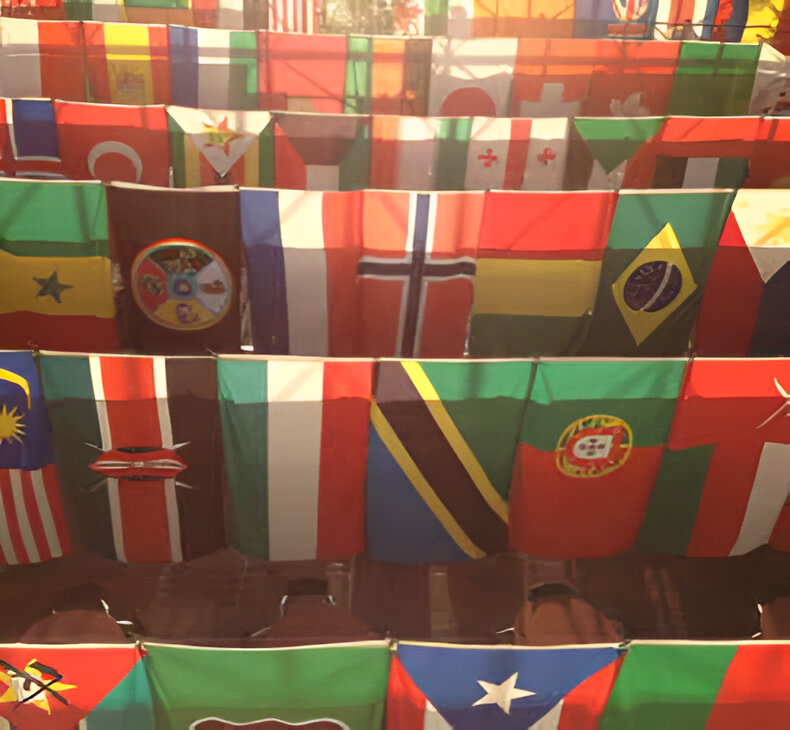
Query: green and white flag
{"x":343,"y":686}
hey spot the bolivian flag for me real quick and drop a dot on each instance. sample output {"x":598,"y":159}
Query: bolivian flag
{"x":55,"y":277}
{"x":539,"y":261}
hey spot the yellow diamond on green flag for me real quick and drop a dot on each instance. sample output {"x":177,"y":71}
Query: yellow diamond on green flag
{"x":654,"y":285}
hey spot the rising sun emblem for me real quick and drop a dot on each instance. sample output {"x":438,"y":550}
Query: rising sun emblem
{"x":11,"y":426}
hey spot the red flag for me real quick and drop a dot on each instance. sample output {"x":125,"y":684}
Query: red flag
{"x":112,"y":142}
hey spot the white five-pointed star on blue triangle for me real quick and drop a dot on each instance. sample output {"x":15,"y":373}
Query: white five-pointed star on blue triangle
{"x":501,"y":694}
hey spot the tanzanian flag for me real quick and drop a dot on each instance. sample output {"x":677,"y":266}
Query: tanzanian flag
{"x":591,"y":445}
{"x":55,"y":281}
{"x":712,"y":685}
{"x":334,"y":687}
{"x":442,"y":440}
{"x":660,"y":248}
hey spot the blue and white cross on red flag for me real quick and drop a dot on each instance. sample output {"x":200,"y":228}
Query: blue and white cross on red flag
{"x":496,"y":688}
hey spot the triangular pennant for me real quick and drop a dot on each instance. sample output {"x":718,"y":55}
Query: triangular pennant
{"x":221,"y":136}
{"x":655,"y":284}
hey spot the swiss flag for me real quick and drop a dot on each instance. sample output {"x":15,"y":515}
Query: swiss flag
{"x":113,"y":142}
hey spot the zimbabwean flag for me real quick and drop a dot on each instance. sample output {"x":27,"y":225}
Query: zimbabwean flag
{"x":591,"y":446}
{"x":442,"y":440}
{"x":330,"y":687}
{"x":660,"y":249}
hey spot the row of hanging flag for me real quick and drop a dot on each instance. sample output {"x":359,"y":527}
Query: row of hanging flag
{"x":719,"y":20}
{"x":413,"y":686}
{"x":108,"y":268}
{"x":187,"y":147}
{"x":409,"y":461}
{"x":125,"y":63}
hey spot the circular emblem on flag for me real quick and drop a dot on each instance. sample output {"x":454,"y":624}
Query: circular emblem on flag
{"x":653,"y":286}
{"x":594,"y":446}
{"x":181,"y":284}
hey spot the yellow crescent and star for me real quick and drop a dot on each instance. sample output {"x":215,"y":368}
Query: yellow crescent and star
{"x":11,"y":426}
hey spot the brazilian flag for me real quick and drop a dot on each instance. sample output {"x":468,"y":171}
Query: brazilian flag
{"x":660,"y":249}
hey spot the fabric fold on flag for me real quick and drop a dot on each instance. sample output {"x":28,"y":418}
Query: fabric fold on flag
{"x":138,"y":449}
{"x":442,"y":442}
{"x":296,"y":435}
{"x":32,"y":524}
{"x":590,"y":449}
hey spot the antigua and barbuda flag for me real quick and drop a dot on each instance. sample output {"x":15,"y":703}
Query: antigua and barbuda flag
{"x":444,"y":687}
{"x":89,"y":686}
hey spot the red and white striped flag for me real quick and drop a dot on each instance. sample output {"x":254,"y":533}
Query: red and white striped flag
{"x":32,"y":525}
{"x":297,"y":16}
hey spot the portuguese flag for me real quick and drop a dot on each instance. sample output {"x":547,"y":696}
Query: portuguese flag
{"x":55,"y":281}
{"x":716,"y":686}
{"x":57,"y":687}
{"x":328,"y":687}
{"x":591,"y":445}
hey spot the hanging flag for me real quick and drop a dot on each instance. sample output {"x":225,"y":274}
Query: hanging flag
{"x":567,"y":77}
{"x":415,"y":277}
{"x":591,"y":446}
{"x":601,"y":150}
{"x":213,"y":69}
{"x":743,"y":310}
{"x":321,"y":152}
{"x":497,"y":153}
{"x":30,"y":148}
{"x":113,"y":143}
{"x":387,"y":75}
{"x":471,"y":77}
{"x":41,"y":59}
{"x":538,"y":266}
{"x":61,"y":687}
{"x":213,"y":147}
{"x":296,"y":16}
{"x":127,"y":63}
{"x":763,"y":21}
{"x":769,"y":93}
{"x":442,"y":441}
{"x":722,"y":485}
{"x":514,"y":19}
{"x":404,"y":152}
{"x":616,"y":18}
{"x":688,"y":19}
{"x":301,"y":73}
{"x":230,"y":14}
{"x":502,"y":688}
{"x":32,"y":524}
{"x":716,"y":685}
{"x":660,"y":248}
{"x":151,"y":12}
{"x":714,"y":79}
{"x":55,"y":279}
{"x":296,"y":437}
{"x":137,"y":444}
{"x":180,"y":262}
{"x":697,"y":152}
{"x":331,"y":687}
{"x":302,"y":251}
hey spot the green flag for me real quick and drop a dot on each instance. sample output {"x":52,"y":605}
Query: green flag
{"x":660,"y":249}
{"x":344,"y":684}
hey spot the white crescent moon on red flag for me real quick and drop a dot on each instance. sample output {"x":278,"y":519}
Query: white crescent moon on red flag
{"x":118,"y":148}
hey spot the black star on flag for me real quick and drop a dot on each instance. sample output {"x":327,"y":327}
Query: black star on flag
{"x":51,"y":287}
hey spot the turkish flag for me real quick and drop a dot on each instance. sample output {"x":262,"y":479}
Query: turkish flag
{"x":114,"y":142}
